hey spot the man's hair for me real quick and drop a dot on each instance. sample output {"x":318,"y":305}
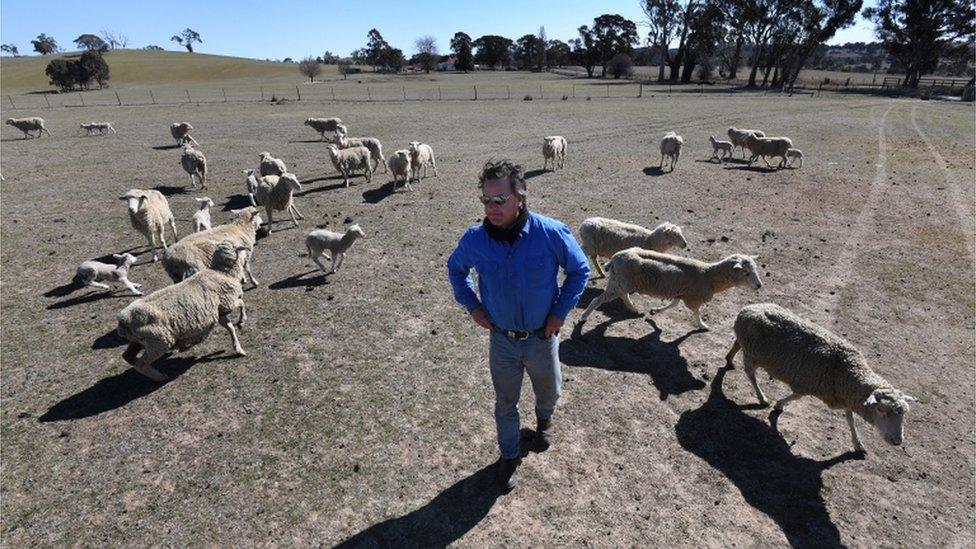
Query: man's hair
{"x":505,"y":169}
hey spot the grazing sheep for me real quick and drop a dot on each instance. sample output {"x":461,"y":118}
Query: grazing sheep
{"x":812,"y":361}
{"x":671,"y":148}
{"x":180,"y":316}
{"x":350,"y":160}
{"x":738,"y":138}
{"x":195,"y":164}
{"x":201,"y":218}
{"x":275,"y":194}
{"x":371,"y":143}
{"x":604,"y":237}
{"x":271,"y":165}
{"x":180,"y":131}
{"x":101,"y":127}
{"x":320,"y":240}
{"x":421,"y":156}
{"x":400,"y":164}
{"x":29,"y":124}
{"x":323,"y":125}
{"x":149,"y":213}
{"x":92,"y":273}
{"x":680,"y":279}
{"x":553,"y":149}
{"x":724,"y":147}
{"x":792,"y":155}
{"x":768,"y":146}
{"x":195,"y":252}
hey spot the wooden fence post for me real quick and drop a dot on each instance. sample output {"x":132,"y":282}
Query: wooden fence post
{"x":152,"y":97}
{"x":333,"y":93}
{"x":438,"y":93}
{"x":369,"y":96}
{"x":608,"y":90}
{"x":509,"y":90}
{"x":187,"y":95}
{"x":49,"y":103}
{"x":119,"y":99}
{"x":298,"y":93}
{"x":225,"y":94}
{"x":475,"y":93}
{"x":11,"y":99}
{"x":82,"y":97}
{"x":404,"y":90}
{"x":541,"y":96}
{"x":640,"y":90}
{"x":262,"y":93}
{"x":574,"y":91}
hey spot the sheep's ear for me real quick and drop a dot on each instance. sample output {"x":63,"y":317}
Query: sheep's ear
{"x":871,"y":401}
{"x":755,"y":257}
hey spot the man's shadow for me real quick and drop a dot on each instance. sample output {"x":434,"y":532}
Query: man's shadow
{"x":441,"y":522}
{"x":752,"y":454}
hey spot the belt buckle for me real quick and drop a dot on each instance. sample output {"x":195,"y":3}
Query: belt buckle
{"x":520,"y":336}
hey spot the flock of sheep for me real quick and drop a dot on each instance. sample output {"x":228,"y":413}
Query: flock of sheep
{"x":754,"y":140}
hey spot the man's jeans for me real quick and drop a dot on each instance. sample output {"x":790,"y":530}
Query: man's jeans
{"x":508,"y":358}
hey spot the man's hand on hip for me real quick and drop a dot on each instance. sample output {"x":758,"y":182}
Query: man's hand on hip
{"x":481,"y":318}
{"x":553,"y":325}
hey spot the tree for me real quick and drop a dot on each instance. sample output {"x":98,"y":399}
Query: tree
{"x":662,"y":18}
{"x":461,"y":46}
{"x":90,"y":42}
{"x":525,"y":51}
{"x":585,"y":50}
{"x":375,"y":45}
{"x":187,"y":38}
{"x":761,"y":17}
{"x":309,"y":67}
{"x":918,"y":32}
{"x":60,"y":74}
{"x":343,"y":67}
{"x":153,"y":47}
{"x":540,"y":60}
{"x":360,"y":56}
{"x":45,"y":44}
{"x":393,"y":59}
{"x":557,"y":53}
{"x":426,"y":47}
{"x":614,"y":34}
{"x":91,"y":66}
{"x":492,"y":50}
{"x":9,"y":48}
{"x":621,"y":65}
{"x":705,"y":31}
{"x":115,"y":39}
{"x":329,"y":59}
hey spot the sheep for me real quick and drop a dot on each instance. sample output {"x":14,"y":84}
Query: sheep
{"x":180,"y":316}
{"x":421,"y":156}
{"x":194,"y":164}
{"x":271,"y":165}
{"x":813,"y":361}
{"x":724,"y":147}
{"x":738,"y":138}
{"x":352,"y":159}
{"x":320,"y":240}
{"x":149,"y":213}
{"x":201,"y":218}
{"x":604,"y":237}
{"x":792,"y":155}
{"x":341,"y":130}
{"x":768,"y":146}
{"x":680,"y":279}
{"x":195,"y":251}
{"x":553,"y":149}
{"x":371,"y":143}
{"x":29,"y":124}
{"x":181,"y":130}
{"x":401,"y":165}
{"x":671,"y":148}
{"x":275,"y":194}
{"x":92,"y":273}
{"x":101,"y":127}
{"x":323,"y":125}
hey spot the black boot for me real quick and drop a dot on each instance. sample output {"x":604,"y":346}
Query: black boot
{"x":506,"y":474}
{"x":543,"y":428}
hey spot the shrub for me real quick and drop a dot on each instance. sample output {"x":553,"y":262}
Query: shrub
{"x":527,"y":98}
{"x":621,"y":65}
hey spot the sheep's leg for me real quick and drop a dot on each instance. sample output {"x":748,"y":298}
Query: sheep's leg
{"x":144,"y":364}
{"x":698,"y":319}
{"x":661,"y":167}
{"x":162,"y":237}
{"x":629,"y":304}
{"x":291,"y":212}
{"x":598,"y":268}
{"x":224,"y":320}
{"x":655,"y":310}
{"x":253,"y":202}
{"x":128,"y":284}
{"x":751,"y":374}
{"x":247,"y":269}
{"x":345,"y":175}
{"x":607,"y":295}
{"x":242,"y":318}
{"x":152,"y":246}
{"x":433,"y":166}
{"x":298,"y":213}
{"x":269,"y":211}
{"x":730,"y":356}
{"x":319,"y":263}
{"x":97,"y":284}
{"x":172,"y":225}
{"x":408,"y":186}
{"x":766,"y":160}
{"x":335,"y":263}
{"x":781,"y":403}
{"x":131,"y":352}
{"x":858,"y":447}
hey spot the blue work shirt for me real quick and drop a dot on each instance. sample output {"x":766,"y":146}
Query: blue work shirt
{"x":518,"y":282}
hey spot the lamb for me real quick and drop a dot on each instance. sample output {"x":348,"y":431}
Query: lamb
{"x":371,"y":143}
{"x":320,"y":240}
{"x":604,"y":237}
{"x":421,"y":156}
{"x":29,"y":124}
{"x":812,"y":361}
{"x":180,"y":131}
{"x":401,"y":165}
{"x":671,"y":148}
{"x":768,"y":146}
{"x":149,"y":213}
{"x":178,"y":317}
{"x":792,"y":155}
{"x":725,"y":147}
{"x":93,"y":273}
{"x":101,"y":127}
{"x":738,"y":137}
{"x":271,"y":165}
{"x":194,"y":164}
{"x":275,"y":194}
{"x":195,"y":252}
{"x":352,"y":159}
{"x":201,"y":218}
{"x":323,"y":125}
{"x":680,"y":279}
{"x":553,"y":149}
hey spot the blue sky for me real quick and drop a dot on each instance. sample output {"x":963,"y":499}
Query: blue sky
{"x":295,"y":29}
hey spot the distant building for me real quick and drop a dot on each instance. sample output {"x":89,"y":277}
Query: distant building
{"x":449,"y":65}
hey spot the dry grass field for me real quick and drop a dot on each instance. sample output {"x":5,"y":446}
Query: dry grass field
{"x":363,"y":411}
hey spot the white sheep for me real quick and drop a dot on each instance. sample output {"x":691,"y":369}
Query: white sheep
{"x":602,"y":237}
{"x":320,"y":240}
{"x":671,"y":148}
{"x":341,"y":130}
{"x":793,"y":155}
{"x":29,"y":124}
{"x":275,"y":193}
{"x":94,"y":273}
{"x":178,"y":317}
{"x":101,"y":127}
{"x":738,"y":137}
{"x":421,"y":156}
{"x":371,"y":143}
{"x":194,"y":164}
{"x":553,"y":149}
{"x":768,"y":146}
{"x":812,"y":361}
{"x":149,"y":213}
{"x":201,"y":218}
{"x":350,"y":160}
{"x":323,"y":125}
{"x":680,"y":279}
{"x":400,"y":164}
{"x":724,"y":147}
{"x":271,"y":165}
{"x":180,"y":131}
{"x":195,"y":251}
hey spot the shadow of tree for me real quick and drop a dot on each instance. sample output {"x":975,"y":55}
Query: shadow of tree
{"x":752,"y":454}
{"x":299,"y":281}
{"x":439,"y":523}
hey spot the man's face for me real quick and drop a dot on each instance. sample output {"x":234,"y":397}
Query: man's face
{"x":501,"y":215}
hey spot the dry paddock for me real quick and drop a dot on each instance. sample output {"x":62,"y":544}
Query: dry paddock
{"x":363,"y":409}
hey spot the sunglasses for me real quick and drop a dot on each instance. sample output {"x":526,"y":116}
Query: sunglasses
{"x":498,"y":200}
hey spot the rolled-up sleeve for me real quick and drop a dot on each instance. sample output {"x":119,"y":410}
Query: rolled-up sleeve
{"x":459,"y":267}
{"x":576,"y":268}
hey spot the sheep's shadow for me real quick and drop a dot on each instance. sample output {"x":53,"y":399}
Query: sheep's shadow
{"x":752,"y":454}
{"x":236,"y":202}
{"x":655,"y":171}
{"x":166,"y":147}
{"x":535,"y":173}
{"x":109,"y":340}
{"x":441,"y":522}
{"x":747,"y":168}
{"x":375,"y":196}
{"x":9,"y":139}
{"x":650,"y":355}
{"x":309,"y":141}
{"x":300,"y":281}
{"x":335,"y":186}
{"x":92,"y":297}
{"x":168,"y":190}
{"x":64,"y":289}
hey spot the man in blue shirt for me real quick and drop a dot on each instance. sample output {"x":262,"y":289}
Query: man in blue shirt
{"x":517,"y":255}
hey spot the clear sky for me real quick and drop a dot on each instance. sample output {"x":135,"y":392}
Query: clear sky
{"x":289,"y":28}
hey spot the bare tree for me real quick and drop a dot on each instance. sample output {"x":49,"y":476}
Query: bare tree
{"x":540,"y":62}
{"x":426,"y":47}
{"x":310,"y":67}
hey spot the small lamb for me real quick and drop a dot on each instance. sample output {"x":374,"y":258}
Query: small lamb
{"x":101,"y":127}
{"x":320,"y":240}
{"x":421,"y":156}
{"x":553,"y":150}
{"x":92,"y":273}
{"x":400,"y":166}
{"x":792,"y":155}
{"x":724,"y":147}
{"x":671,"y":149}
{"x":201,"y":218}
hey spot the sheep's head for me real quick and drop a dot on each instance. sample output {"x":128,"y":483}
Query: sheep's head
{"x":291,"y":181}
{"x":333,"y":151}
{"x":204,"y":202}
{"x":356,"y":230}
{"x":246,"y":214}
{"x":226,"y":256}
{"x":402,"y":155}
{"x":264,"y":155}
{"x":9,"y":122}
{"x":308,"y":121}
{"x":125,"y":260}
{"x":744,"y":270}
{"x":341,"y":130}
{"x":672,"y":235}
{"x":886,"y":409}
{"x":414,"y":146}
{"x":135,"y":199}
